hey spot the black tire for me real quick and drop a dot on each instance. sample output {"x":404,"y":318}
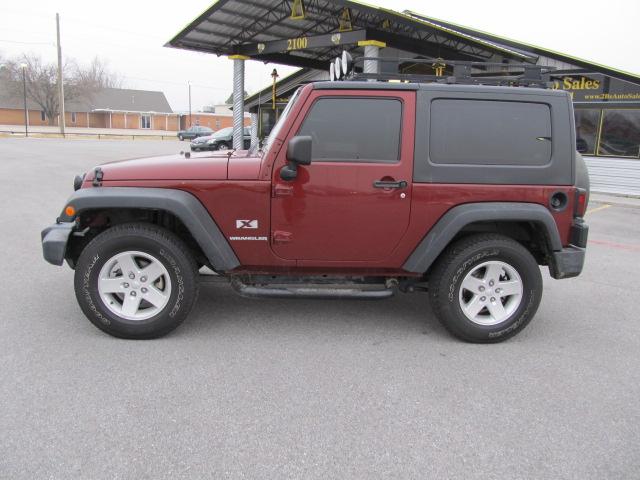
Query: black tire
{"x":180,"y":137}
{"x":163,"y":245}
{"x":461,"y":258}
{"x":222,"y":146}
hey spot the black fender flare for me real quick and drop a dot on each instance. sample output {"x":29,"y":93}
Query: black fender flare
{"x":183,"y":205}
{"x":459,"y":217}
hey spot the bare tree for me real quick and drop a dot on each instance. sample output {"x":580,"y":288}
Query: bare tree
{"x":4,"y":70}
{"x":97,"y":75}
{"x":80,"y":83}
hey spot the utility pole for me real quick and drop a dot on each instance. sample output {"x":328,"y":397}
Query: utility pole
{"x":60,"y":79}
{"x":24,"y":91}
{"x":190,"y":123}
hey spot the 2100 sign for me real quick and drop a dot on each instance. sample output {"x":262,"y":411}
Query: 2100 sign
{"x":297,"y":43}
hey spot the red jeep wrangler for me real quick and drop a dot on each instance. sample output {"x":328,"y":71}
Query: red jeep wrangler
{"x":362,"y":190}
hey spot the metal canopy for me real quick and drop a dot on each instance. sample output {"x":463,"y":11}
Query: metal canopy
{"x":529,"y":49}
{"x":266,"y":30}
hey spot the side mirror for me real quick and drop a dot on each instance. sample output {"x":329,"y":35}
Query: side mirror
{"x":299,"y":150}
{"x":298,"y":153}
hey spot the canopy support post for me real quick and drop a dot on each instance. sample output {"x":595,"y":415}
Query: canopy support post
{"x":238,"y":100}
{"x":254,"y":130}
{"x":371,"y":50}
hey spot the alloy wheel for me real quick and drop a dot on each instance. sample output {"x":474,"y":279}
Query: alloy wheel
{"x":490,"y":293}
{"x":134,"y":285}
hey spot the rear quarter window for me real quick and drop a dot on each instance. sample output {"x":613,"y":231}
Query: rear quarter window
{"x":489,"y":132}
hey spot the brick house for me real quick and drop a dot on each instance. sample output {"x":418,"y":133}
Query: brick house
{"x":109,"y":108}
{"x":114,"y":108}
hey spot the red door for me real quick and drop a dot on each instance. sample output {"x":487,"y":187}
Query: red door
{"x":353,"y":202}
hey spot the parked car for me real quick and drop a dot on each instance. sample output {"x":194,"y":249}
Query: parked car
{"x":221,"y":140}
{"x":363,"y":190}
{"x":194,"y":132}
{"x":201,"y":143}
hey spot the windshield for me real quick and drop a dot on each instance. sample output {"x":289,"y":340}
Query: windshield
{"x":225,"y":132}
{"x":285,"y":113}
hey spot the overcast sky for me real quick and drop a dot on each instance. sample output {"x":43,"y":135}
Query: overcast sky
{"x":130,"y":36}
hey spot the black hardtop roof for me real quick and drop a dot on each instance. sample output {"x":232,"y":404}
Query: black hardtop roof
{"x":357,"y":85}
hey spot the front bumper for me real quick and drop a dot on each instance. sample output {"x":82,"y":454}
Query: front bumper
{"x":54,"y":241}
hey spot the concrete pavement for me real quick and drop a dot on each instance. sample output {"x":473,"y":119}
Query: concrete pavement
{"x":307,"y":389}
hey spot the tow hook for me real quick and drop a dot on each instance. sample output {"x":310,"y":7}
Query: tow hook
{"x":391,"y":283}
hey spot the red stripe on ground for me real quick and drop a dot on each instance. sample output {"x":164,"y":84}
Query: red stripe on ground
{"x":620,"y":246}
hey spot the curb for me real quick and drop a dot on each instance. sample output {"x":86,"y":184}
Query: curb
{"x":88,"y":136}
{"x":617,"y":200}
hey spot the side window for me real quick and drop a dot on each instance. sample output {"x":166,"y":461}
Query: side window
{"x":349,"y":129}
{"x":482,"y":132}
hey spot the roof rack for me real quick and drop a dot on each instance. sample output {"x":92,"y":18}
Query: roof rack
{"x":515,"y":74}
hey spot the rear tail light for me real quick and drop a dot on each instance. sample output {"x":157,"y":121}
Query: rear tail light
{"x":581,"y":203}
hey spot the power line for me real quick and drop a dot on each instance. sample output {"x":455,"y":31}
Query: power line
{"x":82,"y":21}
{"x":225,"y":89}
{"x":50,"y":44}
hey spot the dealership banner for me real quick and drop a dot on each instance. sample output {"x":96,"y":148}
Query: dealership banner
{"x":596,"y":87}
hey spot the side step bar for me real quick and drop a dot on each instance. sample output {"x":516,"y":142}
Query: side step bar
{"x":311,"y":291}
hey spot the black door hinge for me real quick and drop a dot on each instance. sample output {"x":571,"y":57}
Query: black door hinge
{"x":97,"y":177}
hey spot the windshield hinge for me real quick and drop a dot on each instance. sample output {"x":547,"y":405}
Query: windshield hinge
{"x":97,"y":177}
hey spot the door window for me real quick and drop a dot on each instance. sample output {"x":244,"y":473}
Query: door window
{"x":354,"y":129}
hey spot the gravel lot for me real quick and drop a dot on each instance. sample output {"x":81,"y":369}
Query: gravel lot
{"x":307,"y":389}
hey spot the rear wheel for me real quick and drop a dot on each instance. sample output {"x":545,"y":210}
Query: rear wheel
{"x":485,"y":288}
{"x":222,"y":146}
{"x":136,"y":281}
{"x":180,"y":137}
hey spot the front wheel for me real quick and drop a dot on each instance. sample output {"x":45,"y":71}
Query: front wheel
{"x":222,"y":146}
{"x":136,"y":281}
{"x":485,"y":288}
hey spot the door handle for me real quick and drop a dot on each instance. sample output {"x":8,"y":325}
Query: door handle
{"x":391,"y":184}
{"x":280,"y":237}
{"x":280,"y":190}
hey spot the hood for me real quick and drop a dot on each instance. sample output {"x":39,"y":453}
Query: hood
{"x":202,"y":139}
{"x":206,"y":166}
